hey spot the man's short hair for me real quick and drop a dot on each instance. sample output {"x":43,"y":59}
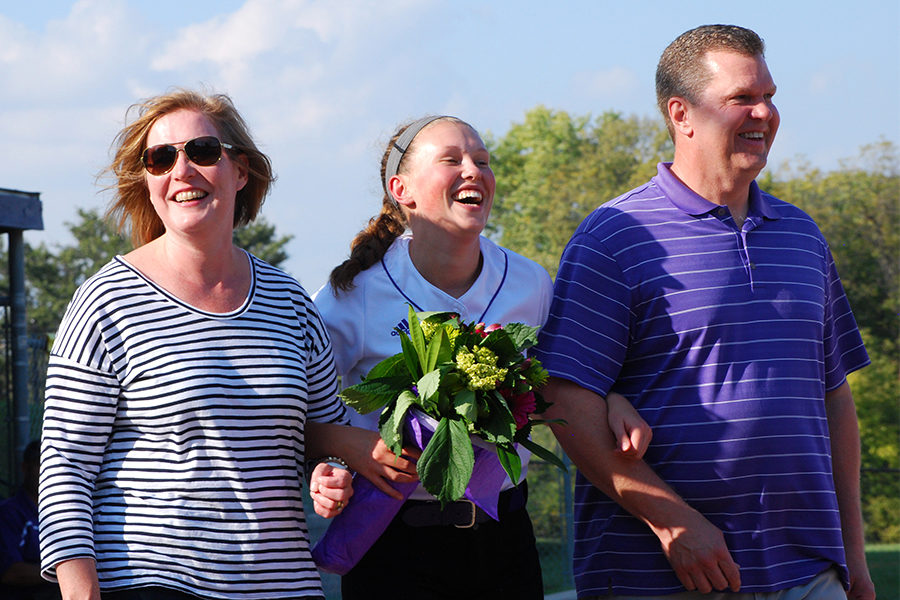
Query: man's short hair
{"x":682,"y":70}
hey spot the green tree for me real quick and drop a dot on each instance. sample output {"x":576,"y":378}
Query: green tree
{"x":553,"y":169}
{"x":259,"y":239}
{"x":53,"y":274}
{"x":876,"y":390}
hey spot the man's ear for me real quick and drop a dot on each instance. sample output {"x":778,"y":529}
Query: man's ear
{"x":679,"y":114}
{"x":400,"y":191}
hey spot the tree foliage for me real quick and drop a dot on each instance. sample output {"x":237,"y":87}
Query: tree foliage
{"x":54,"y":273}
{"x":553,"y":169}
{"x":260,"y":239}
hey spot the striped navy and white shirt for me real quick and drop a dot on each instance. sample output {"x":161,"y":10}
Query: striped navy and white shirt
{"x":725,"y":340}
{"x":173,"y":438}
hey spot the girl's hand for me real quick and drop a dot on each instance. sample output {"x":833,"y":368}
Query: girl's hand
{"x":632,"y":433}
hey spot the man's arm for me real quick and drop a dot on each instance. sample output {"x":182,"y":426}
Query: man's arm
{"x":843,"y":428}
{"x":694,"y":547}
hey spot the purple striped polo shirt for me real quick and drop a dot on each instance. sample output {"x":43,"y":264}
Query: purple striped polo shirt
{"x":726,"y":341}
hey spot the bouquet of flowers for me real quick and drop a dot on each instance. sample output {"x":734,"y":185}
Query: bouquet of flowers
{"x":474,"y":380}
{"x":464,"y":394}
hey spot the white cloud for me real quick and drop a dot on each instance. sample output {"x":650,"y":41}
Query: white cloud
{"x":70,"y":59}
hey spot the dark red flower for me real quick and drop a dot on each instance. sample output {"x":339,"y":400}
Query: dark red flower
{"x":521,"y":405}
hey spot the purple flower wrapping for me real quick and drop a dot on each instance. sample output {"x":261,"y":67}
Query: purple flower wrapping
{"x":370,"y":511}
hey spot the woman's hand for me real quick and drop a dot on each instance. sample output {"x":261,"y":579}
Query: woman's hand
{"x":632,"y":433}
{"x":330,"y":488}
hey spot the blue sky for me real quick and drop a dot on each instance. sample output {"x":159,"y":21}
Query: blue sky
{"x":324,"y":83}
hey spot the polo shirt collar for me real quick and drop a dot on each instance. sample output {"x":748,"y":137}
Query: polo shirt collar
{"x":686,"y":199}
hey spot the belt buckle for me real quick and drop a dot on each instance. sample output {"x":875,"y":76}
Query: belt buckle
{"x":471,"y":523}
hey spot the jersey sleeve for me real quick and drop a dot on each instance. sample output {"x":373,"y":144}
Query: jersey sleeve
{"x":344,"y":318}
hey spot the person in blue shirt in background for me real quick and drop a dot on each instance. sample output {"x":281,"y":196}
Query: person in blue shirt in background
{"x":20,"y":559}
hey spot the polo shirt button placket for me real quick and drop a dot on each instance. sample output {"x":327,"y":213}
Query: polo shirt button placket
{"x":749,"y":265}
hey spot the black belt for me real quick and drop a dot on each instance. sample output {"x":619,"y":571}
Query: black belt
{"x":463,"y":514}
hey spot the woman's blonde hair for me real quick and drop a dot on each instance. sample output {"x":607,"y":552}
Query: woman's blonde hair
{"x":131,"y":208}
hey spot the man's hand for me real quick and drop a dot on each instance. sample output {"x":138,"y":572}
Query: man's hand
{"x":699,"y":556}
{"x":861,"y":585}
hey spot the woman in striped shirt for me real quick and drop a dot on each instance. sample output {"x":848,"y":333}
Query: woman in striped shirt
{"x":187,"y":383}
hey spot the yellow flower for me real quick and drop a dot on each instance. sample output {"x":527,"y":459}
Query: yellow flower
{"x":479,"y":367}
{"x":429,"y":328}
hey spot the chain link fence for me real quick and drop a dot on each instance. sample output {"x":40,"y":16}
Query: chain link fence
{"x":37,"y":371}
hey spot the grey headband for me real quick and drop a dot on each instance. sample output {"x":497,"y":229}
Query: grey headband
{"x":399,"y":148}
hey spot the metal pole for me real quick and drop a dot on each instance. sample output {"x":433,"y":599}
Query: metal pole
{"x":19,"y":333}
{"x":570,"y":513}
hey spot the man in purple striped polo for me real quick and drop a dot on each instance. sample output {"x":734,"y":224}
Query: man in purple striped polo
{"x":717,"y":310}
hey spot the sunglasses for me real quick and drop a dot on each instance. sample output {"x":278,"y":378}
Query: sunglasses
{"x":203,"y":151}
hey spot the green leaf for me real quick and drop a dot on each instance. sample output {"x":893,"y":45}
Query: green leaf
{"x":450,"y":379}
{"x":438,"y":350}
{"x":499,"y":426}
{"x":372,"y":394}
{"x":410,"y":356}
{"x":392,"y":366}
{"x":543,"y":453}
{"x":443,"y":406}
{"x":392,"y":427}
{"x":501,"y":344}
{"x":446,"y":464}
{"x":523,"y":336}
{"x":510,"y":461}
{"x":428,"y":386}
{"x":466,"y":405}
{"x":417,"y":337}
{"x":439,"y":316}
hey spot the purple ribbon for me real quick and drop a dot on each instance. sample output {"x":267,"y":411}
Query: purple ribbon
{"x":370,"y":511}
